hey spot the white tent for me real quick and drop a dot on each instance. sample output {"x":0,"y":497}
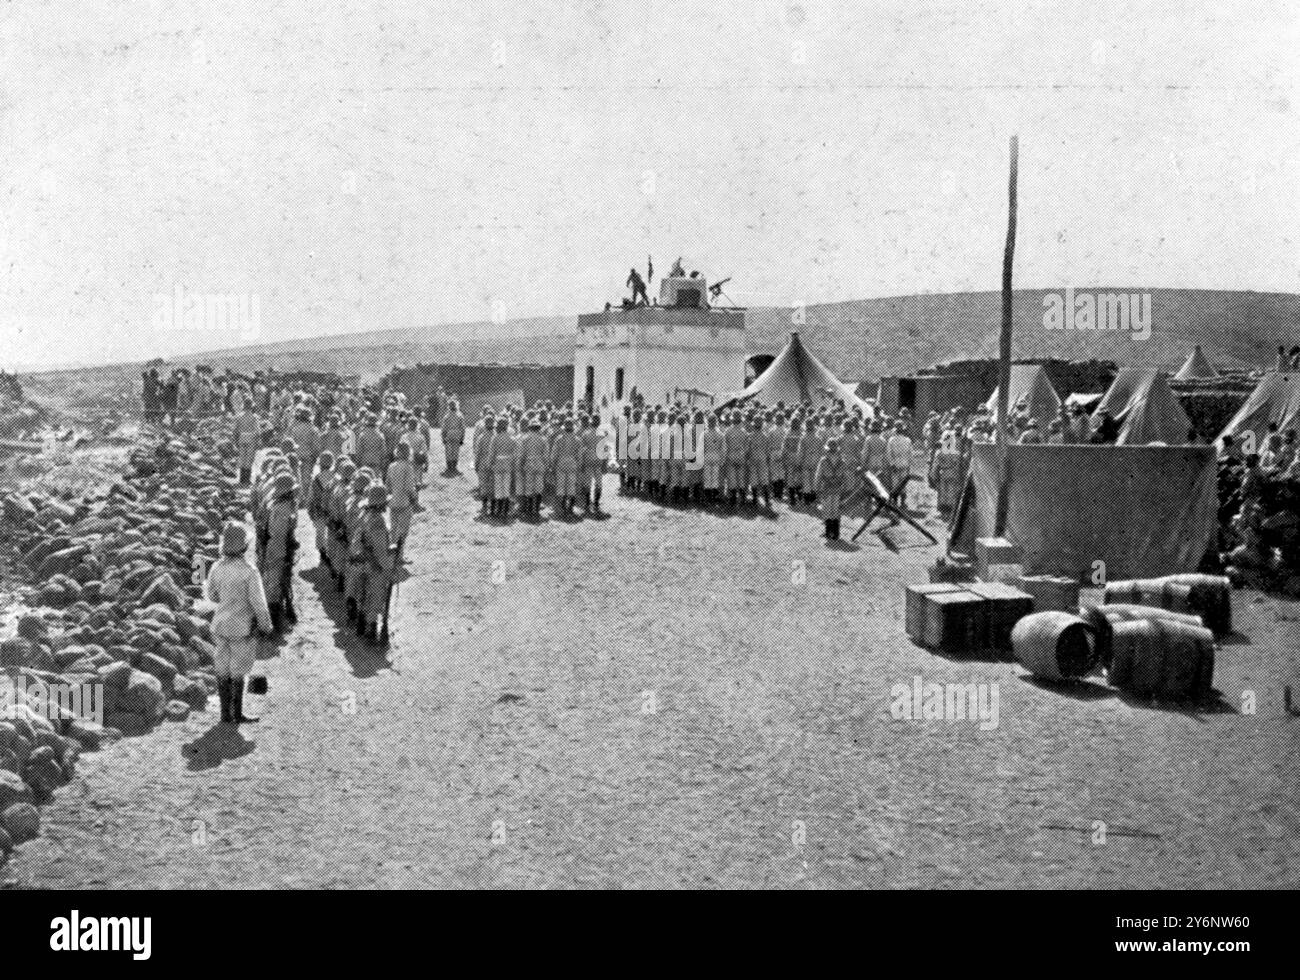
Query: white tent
{"x":1196,"y":366}
{"x":796,"y":376}
{"x":1030,"y":385}
{"x":1146,"y":408}
{"x":1275,"y":399}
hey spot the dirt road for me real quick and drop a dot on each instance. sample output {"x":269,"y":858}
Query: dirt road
{"x":672,"y":698}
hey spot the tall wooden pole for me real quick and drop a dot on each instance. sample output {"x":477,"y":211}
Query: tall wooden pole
{"x":1004,"y":347}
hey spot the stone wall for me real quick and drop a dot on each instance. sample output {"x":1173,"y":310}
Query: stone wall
{"x":537,"y":382}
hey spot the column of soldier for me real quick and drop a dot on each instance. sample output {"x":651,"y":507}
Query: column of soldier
{"x":523,"y":457}
{"x":358,"y":473}
{"x":803,"y":453}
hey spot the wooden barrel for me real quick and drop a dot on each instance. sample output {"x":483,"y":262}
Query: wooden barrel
{"x":1121,"y":612}
{"x":1210,"y":597}
{"x":1162,"y":659}
{"x":1054,"y":645}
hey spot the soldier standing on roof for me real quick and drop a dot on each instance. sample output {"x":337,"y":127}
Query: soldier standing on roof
{"x":635,"y":281}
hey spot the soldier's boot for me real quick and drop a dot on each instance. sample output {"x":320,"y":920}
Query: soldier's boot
{"x":290,"y":614}
{"x":827,"y":533}
{"x":767,"y":499}
{"x":837,"y":529}
{"x":223,"y":695}
{"x":596,"y":503}
{"x":352,"y":610}
{"x":362,"y":626}
{"x":277,"y":617}
{"x":237,"y":702}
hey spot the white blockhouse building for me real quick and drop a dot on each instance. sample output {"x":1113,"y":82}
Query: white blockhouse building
{"x":667,"y":352}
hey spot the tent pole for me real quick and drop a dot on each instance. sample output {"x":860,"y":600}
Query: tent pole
{"x":798,"y":366}
{"x":1004,"y":347}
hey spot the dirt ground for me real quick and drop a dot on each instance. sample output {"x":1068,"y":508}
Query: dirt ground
{"x":681,"y":699}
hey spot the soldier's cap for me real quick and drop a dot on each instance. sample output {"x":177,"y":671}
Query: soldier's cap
{"x":284,"y":483}
{"x":325,"y":459}
{"x":360,"y":482}
{"x":377,"y":496}
{"x":502,"y":425}
{"x":304,"y":414}
{"x":234,"y":539}
{"x":347,"y":468}
{"x":568,"y":425}
{"x":402,"y":451}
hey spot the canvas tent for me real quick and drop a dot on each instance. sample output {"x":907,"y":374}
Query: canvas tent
{"x":1195,"y":367}
{"x":795,"y":376}
{"x":1143,"y":510}
{"x":1146,"y":408}
{"x":1275,"y":399}
{"x":1030,"y":384}
{"x":1084,"y":400}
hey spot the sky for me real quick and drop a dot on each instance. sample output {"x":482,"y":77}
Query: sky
{"x":364,"y":165}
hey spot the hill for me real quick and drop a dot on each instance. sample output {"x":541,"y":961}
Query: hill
{"x":859,"y":339}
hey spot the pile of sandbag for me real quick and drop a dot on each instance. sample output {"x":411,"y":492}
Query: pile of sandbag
{"x":112,"y":580}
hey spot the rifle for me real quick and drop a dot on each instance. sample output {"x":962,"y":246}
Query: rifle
{"x":388,"y":606}
{"x":872,"y":486}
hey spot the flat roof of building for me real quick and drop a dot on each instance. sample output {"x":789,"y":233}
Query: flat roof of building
{"x":675,"y":316}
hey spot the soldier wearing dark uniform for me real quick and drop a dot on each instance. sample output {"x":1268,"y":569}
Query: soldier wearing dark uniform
{"x":278,"y":552}
{"x":637,"y":284}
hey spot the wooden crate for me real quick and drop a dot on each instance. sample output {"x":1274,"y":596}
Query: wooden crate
{"x":915,"y":610}
{"x":955,"y":622}
{"x":994,"y":551}
{"x":952,"y":571}
{"x":1052,"y":592}
{"x":1007,"y":605}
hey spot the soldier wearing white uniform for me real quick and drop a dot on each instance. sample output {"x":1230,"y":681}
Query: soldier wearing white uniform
{"x":236,"y":587}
